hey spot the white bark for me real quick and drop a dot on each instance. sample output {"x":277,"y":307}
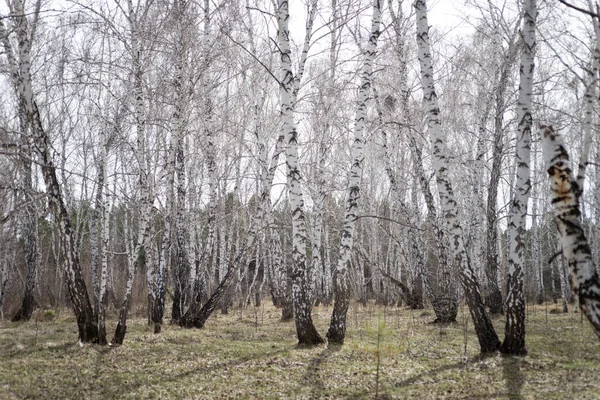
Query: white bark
{"x":515,"y":300}
{"x":143,"y":186}
{"x":20,"y":69}
{"x":302,"y":308}
{"x":337,"y":326}
{"x":104,"y":237}
{"x":583,"y":278}
{"x":488,"y":340}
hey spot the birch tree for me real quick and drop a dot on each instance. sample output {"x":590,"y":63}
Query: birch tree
{"x":566,"y":194}
{"x":514,"y":340}
{"x":337,"y":326}
{"x":183,"y":22}
{"x":488,"y":339}
{"x":20,"y":69}
{"x":305,"y":329}
{"x":134,"y":16}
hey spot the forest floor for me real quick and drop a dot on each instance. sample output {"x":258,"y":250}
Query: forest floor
{"x":254,"y":355}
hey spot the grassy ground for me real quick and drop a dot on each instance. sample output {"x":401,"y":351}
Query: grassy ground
{"x":254,"y":356}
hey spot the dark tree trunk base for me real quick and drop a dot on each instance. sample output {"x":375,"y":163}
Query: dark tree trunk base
{"x":102,"y":336}
{"x":446,"y":309}
{"x":440,"y":320}
{"x":513,"y":347}
{"x":88,"y":331}
{"x":177,"y":309}
{"x":415,"y":301}
{"x":540,"y":299}
{"x":337,"y":327}
{"x":287,"y":313}
{"x":486,"y":334}
{"x":308,"y":335}
{"x":119,"y":334}
{"x":122,"y":324}
{"x":158,"y":310}
{"x":26,"y":310}
{"x":190,"y":318}
{"x":495,"y":304}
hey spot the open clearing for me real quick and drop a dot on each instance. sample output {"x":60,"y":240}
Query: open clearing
{"x":254,"y":355}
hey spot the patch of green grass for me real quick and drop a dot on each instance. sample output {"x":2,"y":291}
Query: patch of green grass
{"x":255,"y":356}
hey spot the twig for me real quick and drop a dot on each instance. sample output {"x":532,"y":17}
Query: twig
{"x":252,"y":55}
{"x":583,"y":10}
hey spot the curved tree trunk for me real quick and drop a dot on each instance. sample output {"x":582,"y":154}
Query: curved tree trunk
{"x":21,"y":80}
{"x":488,"y":339}
{"x":337,"y":326}
{"x":566,"y":191}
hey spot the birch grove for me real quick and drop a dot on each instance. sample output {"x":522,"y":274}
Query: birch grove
{"x":170,"y":159}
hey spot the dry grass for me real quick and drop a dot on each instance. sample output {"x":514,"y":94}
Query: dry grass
{"x":254,"y":356}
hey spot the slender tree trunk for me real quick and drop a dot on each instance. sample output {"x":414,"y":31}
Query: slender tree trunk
{"x":21,"y":77}
{"x":494,"y":295}
{"x":181,"y":269}
{"x":30,"y":228}
{"x":305,"y":329}
{"x":104,"y":233}
{"x":143,"y":183}
{"x":30,"y":235}
{"x":560,"y":268}
{"x":337,"y":326}
{"x":488,"y":339}
{"x":514,"y":339}
{"x":536,"y":256}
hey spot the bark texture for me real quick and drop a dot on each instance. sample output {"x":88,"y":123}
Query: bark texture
{"x":40,"y":141}
{"x":302,"y":306}
{"x":488,"y":339}
{"x":514,"y":339}
{"x":337,"y":326}
{"x":566,"y":192}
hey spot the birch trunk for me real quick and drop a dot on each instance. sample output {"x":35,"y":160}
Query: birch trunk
{"x":488,"y":339}
{"x":337,"y":326}
{"x":144,"y":188}
{"x":104,"y":226}
{"x":21,"y":79}
{"x":583,"y":277}
{"x":536,"y":256}
{"x":445,"y":301}
{"x":181,"y":269}
{"x":514,"y":340}
{"x":493,"y":294}
{"x":305,"y":330}
{"x":562,"y":278}
{"x":31,"y":235}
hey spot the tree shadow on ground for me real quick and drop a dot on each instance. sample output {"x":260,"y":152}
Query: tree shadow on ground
{"x":125,"y":389}
{"x":432,"y":372}
{"x":513,"y":377}
{"x":313,"y":376}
